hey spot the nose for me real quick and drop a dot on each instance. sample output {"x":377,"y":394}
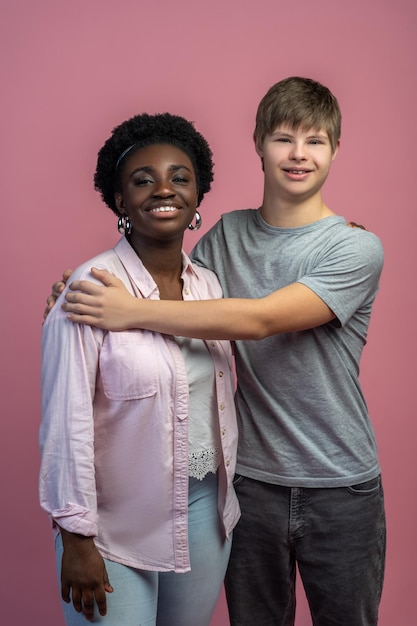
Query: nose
{"x":298,"y":151}
{"x":163,"y":189}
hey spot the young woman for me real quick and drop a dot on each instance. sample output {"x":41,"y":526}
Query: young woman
{"x":138,"y":433}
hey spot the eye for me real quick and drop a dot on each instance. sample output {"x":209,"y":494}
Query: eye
{"x":142,"y":182}
{"x":180,"y":179}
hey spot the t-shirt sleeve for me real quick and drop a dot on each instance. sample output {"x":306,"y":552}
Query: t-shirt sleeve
{"x":208,"y":247}
{"x":346,"y":276}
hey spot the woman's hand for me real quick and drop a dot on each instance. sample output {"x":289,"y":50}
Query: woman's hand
{"x":57,"y":288}
{"x":83,"y":575}
{"x":108,"y":307}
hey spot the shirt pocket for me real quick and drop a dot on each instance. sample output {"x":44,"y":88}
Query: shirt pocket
{"x":128,"y":365}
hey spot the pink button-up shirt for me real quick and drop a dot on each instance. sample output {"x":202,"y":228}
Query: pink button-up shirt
{"x":114,"y":432}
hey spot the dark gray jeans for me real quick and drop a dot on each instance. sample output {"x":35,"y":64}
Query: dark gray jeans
{"x":335,"y":536}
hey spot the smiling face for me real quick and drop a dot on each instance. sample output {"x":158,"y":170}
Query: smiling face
{"x":158,"y":193}
{"x":296,"y":162}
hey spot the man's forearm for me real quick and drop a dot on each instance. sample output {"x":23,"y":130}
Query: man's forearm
{"x":290,"y":309}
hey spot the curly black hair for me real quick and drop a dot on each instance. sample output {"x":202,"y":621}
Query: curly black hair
{"x":144,"y":130}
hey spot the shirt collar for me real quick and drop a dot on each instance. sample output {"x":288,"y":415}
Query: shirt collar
{"x":139,"y":274}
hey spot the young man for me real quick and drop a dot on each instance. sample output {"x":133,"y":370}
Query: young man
{"x":308,"y":475}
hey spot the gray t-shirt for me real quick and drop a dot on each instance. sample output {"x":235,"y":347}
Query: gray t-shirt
{"x":303,"y":420}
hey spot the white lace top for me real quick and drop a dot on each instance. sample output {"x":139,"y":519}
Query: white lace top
{"x":204,"y":451}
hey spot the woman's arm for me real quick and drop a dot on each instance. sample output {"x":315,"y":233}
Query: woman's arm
{"x":67,"y":477}
{"x":292,"y":308}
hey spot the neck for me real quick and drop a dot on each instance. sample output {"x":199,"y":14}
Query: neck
{"x":291,"y":213}
{"x":163,"y":260}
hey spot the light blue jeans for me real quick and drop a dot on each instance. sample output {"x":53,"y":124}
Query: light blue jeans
{"x":142,"y":598}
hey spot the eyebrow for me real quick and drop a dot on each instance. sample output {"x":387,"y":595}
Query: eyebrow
{"x":316,"y":135}
{"x":149,"y":169}
{"x":322,"y":135}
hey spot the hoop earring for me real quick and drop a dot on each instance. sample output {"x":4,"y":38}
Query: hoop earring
{"x":124,"y":225}
{"x":198,"y":222}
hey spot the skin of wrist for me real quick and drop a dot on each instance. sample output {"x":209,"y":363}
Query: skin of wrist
{"x":74,"y":539}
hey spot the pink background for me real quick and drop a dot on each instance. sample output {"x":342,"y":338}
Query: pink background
{"x":70,"y":72}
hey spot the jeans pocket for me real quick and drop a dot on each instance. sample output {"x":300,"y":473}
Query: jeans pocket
{"x":366,"y":488}
{"x":237,"y":479}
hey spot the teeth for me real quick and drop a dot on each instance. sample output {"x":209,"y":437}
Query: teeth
{"x":297,"y":171}
{"x":164,"y":209}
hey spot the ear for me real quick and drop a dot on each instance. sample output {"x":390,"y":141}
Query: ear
{"x":258,"y":148}
{"x":119,"y":202}
{"x":336,"y":150}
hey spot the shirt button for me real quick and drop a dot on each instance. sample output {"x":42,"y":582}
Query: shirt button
{"x":227,"y":463}
{"x":221,"y":374}
{"x":222,"y":407}
{"x":213,"y":344}
{"x":223,"y":432}
{"x":186,"y":291}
